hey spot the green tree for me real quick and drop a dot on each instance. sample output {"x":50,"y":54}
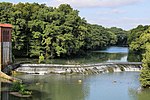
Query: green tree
{"x":41,"y":58}
{"x":136,"y":32}
{"x":145,"y":73}
{"x":121,"y":35}
{"x":37,"y":28}
{"x":142,"y":45}
{"x":54,"y":32}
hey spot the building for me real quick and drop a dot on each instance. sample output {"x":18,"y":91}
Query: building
{"x":5,"y":45}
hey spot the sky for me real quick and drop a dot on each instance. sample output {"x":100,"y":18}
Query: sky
{"x":126,"y":14}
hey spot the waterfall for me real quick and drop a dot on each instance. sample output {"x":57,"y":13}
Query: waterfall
{"x":120,"y":68}
{"x":79,"y":69}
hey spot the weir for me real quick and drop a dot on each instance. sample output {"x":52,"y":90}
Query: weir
{"x":80,"y":68}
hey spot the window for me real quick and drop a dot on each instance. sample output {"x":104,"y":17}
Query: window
{"x":5,"y":35}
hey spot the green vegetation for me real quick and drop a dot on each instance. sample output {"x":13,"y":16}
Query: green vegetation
{"x":145,"y":73}
{"x":61,"y":32}
{"x":19,"y":87}
{"x":41,"y":58}
{"x":142,"y":45}
{"x":121,"y":36}
{"x":54,"y":32}
{"x":135,"y":33}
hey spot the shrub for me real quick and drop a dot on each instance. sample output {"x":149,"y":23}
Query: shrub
{"x":41,"y":58}
{"x":20,"y":87}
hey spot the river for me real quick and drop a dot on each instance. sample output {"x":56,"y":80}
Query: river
{"x":108,"y":86}
{"x":111,"y":54}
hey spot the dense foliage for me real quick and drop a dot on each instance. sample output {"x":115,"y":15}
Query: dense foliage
{"x":145,"y":73}
{"x":142,"y":45}
{"x":54,"y":32}
{"x":47,"y":32}
{"x":121,"y":34}
{"x":20,"y":87}
{"x":136,"y":32}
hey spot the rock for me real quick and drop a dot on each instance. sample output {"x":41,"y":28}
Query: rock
{"x":19,"y":95}
{"x":114,"y":81}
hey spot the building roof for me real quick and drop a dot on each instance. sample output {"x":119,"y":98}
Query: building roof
{"x":6,"y":25}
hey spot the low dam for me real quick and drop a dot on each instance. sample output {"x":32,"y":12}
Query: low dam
{"x":79,"y":69}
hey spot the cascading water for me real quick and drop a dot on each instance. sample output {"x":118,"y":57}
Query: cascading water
{"x":79,"y":69}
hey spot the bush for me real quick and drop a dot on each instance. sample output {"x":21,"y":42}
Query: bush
{"x":20,"y":87}
{"x":17,"y":86}
{"x":41,"y":58}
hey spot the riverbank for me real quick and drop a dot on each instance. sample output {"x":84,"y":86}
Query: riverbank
{"x":5,"y":76}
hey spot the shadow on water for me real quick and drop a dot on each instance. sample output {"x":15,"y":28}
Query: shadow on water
{"x":51,"y":87}
{"x":142,"y":95}
{"x":111,"y":54}
{"x":91,"y":57}
{"x":110,"y":86}
{"x":132,"y":57}
{"x":36,"y":95}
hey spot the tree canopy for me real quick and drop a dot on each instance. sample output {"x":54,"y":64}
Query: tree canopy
{"x":48,"y":32}
{"x":54,"y":32}
{"x":141,"y":44}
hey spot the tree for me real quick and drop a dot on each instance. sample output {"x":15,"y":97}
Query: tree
{"x":145,"y":73}
{"x":120,"y":34}
{"x":37,"y":28}
{"x":136,"y":32}
{"x":53,"y":32}
{"x":142,"y":45}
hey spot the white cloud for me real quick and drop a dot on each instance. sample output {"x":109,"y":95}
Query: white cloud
{"x":97,"y":3}
{"x":110,"y":12}
{"x":117,"y":11}
{"x":125,"y":23}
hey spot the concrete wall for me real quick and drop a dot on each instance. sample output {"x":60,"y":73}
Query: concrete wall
{"x":6,"y":52}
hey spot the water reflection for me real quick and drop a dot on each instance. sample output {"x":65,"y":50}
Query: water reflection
{"x":123,"y":59}
{"x":132,"y":57}
{"x":114,"y":49}
{"x":111,"y":86}
{"x":91,"y":57}
{"x":111,"y":54}
{"x":142,"y":95}
{"x":4,"y":88}
{"x":0,"y":91}
{"x":56,"y":87}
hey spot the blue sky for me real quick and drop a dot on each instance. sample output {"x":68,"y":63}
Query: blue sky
{"x":125,"y":14}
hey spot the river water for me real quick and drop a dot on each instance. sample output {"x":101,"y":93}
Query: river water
{"x":108,"y":86}
{"x":111,"y":54}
